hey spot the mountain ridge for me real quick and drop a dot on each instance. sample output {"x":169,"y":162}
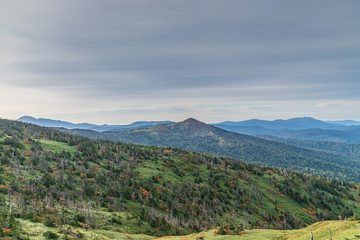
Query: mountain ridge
{"x":45,"y":122}
{"x":346,"y":122}
{"x":298,"y":123}
{"x":278,"y":128}
{"x":351,"y":135}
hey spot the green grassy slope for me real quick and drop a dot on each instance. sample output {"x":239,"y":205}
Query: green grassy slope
{"x":56,"y":181}
{"x":340,"y":230}
{"x":57,"y":147}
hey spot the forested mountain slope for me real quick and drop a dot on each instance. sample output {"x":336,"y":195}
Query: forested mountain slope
{"x":339,"y":148}
{"x":197,"y":136}
{"x":64,"y":181}
{"x":345,"y":136}
{"x":348,"y":136}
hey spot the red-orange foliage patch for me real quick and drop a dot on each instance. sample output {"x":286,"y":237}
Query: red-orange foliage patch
{"x":4,"y":187}
{"x":7,"y":230}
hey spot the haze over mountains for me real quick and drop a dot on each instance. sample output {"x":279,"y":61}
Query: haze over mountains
{"x":291,"y":124}
{"x":346,"y":122}
{"x":44,"y":122}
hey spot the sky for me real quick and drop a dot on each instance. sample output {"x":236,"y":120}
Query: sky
{"x":121,"y":61}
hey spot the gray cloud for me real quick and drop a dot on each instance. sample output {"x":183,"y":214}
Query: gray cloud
{"x":218,"y":52}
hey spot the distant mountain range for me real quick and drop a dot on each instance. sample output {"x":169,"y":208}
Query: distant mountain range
{"x":297,"y":128}
{"x":290,"y":124}
{"x":197,"y":136}
{"x":346,"y":122}
{"x":100,"y":128}
{"x":351,"y":135}
{"x":303,"y":128}
{"x":300,"y":123}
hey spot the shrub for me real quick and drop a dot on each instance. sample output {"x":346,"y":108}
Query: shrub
{"x":50,"y":235}
{"x":230,"y":228}
{"x":49,"y":222}
{"x":116,"y":220}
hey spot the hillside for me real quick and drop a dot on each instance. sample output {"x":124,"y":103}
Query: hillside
{"x":197,"y":136}
{"x":340,"y":230}
{"x":339,"y":148}
{"x":67,"y":184}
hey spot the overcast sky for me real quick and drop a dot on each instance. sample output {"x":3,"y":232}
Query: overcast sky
{"x":126,"y":60}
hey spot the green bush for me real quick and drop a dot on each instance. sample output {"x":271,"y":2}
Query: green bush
{"x":50,"y":235}
{"x":49,"y":223}
{"x":230,"y":228}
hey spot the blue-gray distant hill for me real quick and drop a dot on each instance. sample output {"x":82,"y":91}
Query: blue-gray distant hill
{"x":346,"y":122}
{"x":100,"y":128}
{"x":296,"y":128}
{"x":300,"y":123}
{"x":348,"y":136}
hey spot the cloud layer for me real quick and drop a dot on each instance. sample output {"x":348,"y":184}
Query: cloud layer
{"x":120,"y":61}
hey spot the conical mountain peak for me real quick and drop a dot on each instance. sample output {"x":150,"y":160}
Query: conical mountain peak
{"x":191,"y":126}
